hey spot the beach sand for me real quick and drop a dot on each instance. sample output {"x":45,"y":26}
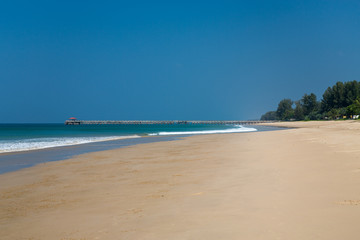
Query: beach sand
{"x":301,"y":183}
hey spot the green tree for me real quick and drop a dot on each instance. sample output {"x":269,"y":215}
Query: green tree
{"x":333,"y":113}
{"x":327,"y":103}
{"x":335,"y":97}
{"x":271,"y":115}
{"x":342,"y":112}
{"x":342,"y":99}
{"x":353,"y":109}
{"x":309,"y":104}
{"x":285,"y":110}
{"x":299,"y":111}
{"x":351,"y":92}
{"x":339,"y":95}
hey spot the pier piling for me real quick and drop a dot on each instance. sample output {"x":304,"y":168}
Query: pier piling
{"x":147,"y":122}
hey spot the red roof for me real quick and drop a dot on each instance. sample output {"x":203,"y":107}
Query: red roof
{"x":72,"y":118}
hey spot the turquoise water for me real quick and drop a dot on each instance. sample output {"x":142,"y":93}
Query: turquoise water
{"x":25,"y":137}
{"x":54,"y":142}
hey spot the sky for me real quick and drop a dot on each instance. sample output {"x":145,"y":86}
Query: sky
{"x":170,"y":60}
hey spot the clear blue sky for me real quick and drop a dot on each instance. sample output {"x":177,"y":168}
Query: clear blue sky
{"x":170,"y":60}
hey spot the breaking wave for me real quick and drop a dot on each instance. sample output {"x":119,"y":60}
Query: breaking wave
{"x":230,"y":130}
{"x":42,"y":143}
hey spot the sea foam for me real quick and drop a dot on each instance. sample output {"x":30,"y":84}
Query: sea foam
{"x":42,"y":143}
{"x":237,"y":129}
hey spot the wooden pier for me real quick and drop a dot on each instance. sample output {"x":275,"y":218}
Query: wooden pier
{"x":168,"y":122}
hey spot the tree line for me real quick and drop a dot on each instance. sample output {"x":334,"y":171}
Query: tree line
{"x":342,"y":99}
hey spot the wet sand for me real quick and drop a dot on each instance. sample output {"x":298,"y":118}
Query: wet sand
{"x":298,"y":183}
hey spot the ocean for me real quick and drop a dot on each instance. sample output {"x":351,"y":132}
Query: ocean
{"x":26,"y":137}
{"x":25,"y":145}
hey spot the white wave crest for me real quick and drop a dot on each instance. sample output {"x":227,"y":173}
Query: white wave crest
{"x":230,"y":130}
{"x":41,"y":143}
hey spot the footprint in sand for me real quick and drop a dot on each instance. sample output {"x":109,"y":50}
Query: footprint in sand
{"x":349,"y":202}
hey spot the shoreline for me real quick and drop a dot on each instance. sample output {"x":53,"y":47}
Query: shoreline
{"x":13,"y":161}
{"x":117,"y":138}
{"x":293,"y":184}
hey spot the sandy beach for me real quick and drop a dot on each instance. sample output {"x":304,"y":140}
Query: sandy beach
{"x":299,"y":183}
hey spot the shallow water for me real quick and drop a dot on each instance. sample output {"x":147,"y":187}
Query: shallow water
{"x":18,"y":160}
{"x":25,"y":137}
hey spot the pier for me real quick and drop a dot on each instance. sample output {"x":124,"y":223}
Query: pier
{"x":168,"y":122}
